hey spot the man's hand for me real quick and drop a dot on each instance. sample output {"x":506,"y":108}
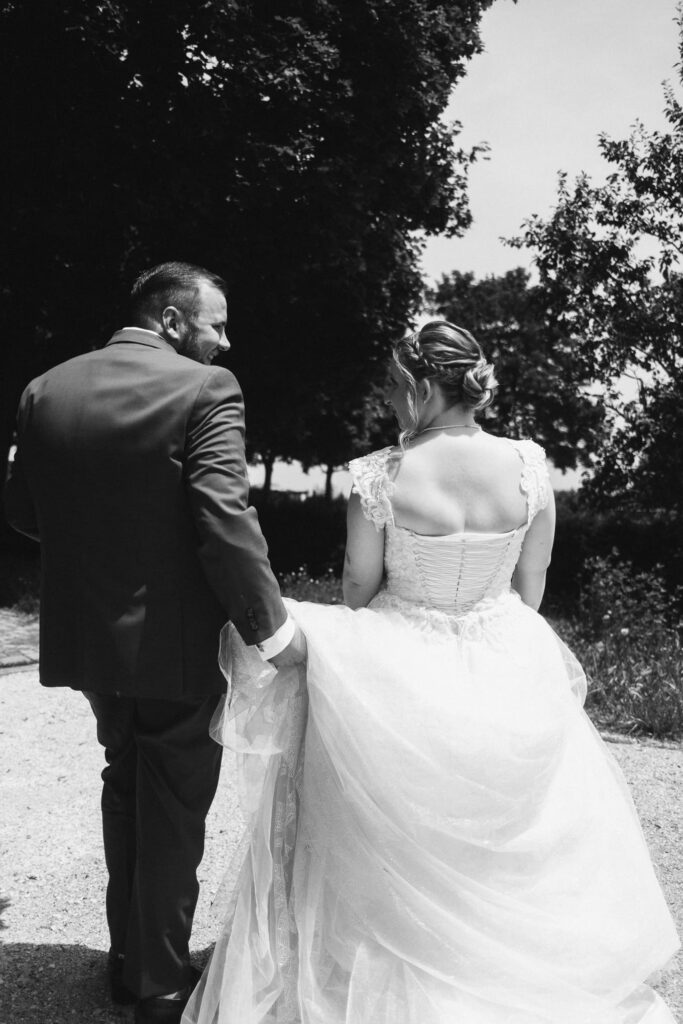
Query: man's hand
{"x":293,"y":654}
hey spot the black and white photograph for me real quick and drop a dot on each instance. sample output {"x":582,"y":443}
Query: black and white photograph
{"x":341,"y":555}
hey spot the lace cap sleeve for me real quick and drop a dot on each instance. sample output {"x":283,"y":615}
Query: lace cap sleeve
{"x":535,"y":481}
{"x":371,"y":482}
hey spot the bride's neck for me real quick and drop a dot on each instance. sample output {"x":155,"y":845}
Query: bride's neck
{"x":454,"y":415}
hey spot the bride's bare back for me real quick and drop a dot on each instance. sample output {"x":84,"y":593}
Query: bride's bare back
{"x":447,"y":484}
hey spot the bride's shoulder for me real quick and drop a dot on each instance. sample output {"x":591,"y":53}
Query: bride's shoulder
{"x":530,"y":452}
{"x":373,"y":464}
{"x":371,"y":476}
{"x":532,"y":467}
{"x":535,"y":478}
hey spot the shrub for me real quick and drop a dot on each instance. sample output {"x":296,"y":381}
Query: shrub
{"x":582,"y":534}
{"x":310,"y":533}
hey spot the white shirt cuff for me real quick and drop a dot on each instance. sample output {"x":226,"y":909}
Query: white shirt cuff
{"x":276,"y":643}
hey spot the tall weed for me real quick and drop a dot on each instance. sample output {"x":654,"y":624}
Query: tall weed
{"x":627,"y":635}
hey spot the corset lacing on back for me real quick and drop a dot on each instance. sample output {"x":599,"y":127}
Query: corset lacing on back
{"x":451,"y":573}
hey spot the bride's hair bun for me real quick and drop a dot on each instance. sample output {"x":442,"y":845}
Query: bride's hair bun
{"x":452,"y":357}
{"x":478,"y":384}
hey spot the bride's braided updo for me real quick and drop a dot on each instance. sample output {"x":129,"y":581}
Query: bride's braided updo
{"x":451,"y":357}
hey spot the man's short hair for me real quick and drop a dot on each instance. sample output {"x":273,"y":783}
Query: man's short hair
{"x":170,"y":284}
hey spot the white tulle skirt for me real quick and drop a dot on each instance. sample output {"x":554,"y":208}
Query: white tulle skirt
{"x":436,"y":833}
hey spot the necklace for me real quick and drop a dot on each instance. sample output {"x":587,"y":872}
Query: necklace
{"x":451,"y":426}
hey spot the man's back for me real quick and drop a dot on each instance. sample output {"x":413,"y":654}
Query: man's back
{"x":130,"y":471}
{"x":108,"y":442}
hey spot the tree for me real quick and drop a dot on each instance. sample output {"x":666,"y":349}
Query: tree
{"x":543,"y":390}
{"x":295,"y":147}
{"x":360,"y":424}
{"x":609,"y":262}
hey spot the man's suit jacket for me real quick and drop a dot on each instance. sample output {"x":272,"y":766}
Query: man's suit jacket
{"x":130,"y":470}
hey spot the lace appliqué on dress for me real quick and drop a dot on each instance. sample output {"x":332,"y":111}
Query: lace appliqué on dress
{"x":372,"y":484}
{"x":535,"y":480}
{"x":495,"y":619}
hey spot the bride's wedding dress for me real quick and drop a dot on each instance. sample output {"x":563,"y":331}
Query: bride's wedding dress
{"x":452,"y":844}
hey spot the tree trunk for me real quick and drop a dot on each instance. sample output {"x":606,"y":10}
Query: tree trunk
{"x":328,"y":481}
{"x":268,"y":463}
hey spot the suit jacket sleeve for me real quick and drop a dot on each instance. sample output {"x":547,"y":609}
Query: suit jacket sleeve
{"x":232,"y":549}
{"x":19,"y":506}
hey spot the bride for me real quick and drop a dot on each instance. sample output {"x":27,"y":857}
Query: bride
{"x":436,"y":833}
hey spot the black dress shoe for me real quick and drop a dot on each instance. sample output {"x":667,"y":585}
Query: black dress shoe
{"x":160,"y":1010}
{"x":120,"y":993}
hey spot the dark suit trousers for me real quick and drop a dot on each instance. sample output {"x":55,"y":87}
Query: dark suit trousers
{"x":161,"y":776}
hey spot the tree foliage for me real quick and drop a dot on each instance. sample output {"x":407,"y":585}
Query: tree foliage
{"x":295,"y":147}
{"x":543,"y":390}
{"x":609,"y":260}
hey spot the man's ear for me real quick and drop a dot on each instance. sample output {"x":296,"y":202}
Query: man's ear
{"x":172,"y":320}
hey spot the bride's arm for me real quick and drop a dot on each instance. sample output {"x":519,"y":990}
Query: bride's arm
{"x":364,"y":559}
{"x":529,"y":575}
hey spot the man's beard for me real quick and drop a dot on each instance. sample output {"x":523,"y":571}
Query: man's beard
{"x":189,"y":347}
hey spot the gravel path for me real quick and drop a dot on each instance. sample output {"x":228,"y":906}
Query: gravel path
{"x":53,"y":958}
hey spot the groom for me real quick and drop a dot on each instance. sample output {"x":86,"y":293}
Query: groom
{"x":130,"y":470}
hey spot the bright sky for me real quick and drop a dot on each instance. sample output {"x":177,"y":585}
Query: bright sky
{"x":553,"y":75}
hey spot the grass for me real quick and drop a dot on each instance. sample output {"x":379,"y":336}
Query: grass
{"x":326,"y":589}
{"x":633,"y":686}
